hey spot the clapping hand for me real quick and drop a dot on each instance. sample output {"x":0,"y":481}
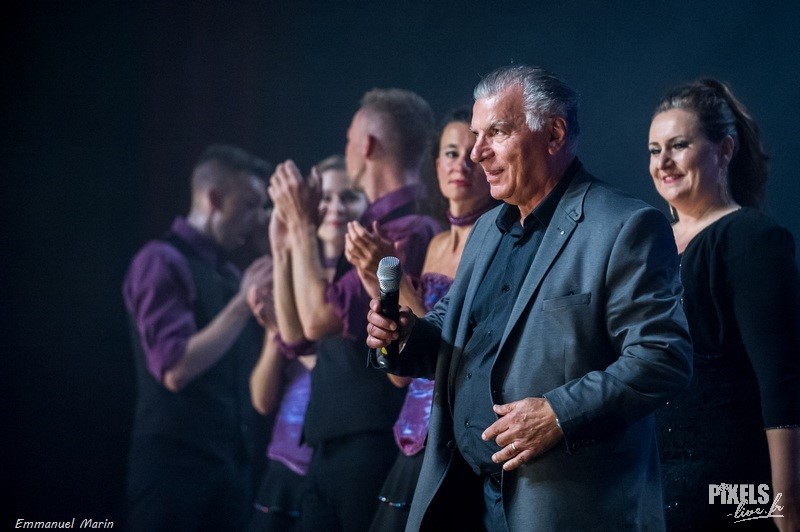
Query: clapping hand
{"x":256,"y":286}
{"x":364,"y":250}
{"x":296,"y":200}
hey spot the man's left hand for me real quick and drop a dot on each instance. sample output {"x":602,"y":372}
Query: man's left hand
{"x":526,"y":429}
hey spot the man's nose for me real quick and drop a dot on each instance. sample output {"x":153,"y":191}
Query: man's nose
{"x":481,"y":150}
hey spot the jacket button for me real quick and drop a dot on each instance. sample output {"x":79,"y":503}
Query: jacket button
{"x":451,"y":445}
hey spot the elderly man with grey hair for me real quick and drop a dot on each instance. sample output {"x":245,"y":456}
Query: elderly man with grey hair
{"x":562,"y":333}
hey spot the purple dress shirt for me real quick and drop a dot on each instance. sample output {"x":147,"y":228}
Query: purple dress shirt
{"x":159,"y":294}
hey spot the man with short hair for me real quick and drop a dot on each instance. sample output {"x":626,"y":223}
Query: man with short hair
{"x":195,"y":343}
{"x":561,"y":334}
{"x":352,"y":408}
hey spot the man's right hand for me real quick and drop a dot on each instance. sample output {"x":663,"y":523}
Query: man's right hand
{"x":382,"y":331}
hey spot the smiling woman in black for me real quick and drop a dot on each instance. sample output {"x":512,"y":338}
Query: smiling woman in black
{"x":742,"y":301}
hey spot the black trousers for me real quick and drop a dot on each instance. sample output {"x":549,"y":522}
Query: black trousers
{"x":344,"y":479}
{"x":192,"y":495}
{"x":459,"y":502}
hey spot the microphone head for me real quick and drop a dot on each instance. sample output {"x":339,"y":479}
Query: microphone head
{"x":389,"y":274}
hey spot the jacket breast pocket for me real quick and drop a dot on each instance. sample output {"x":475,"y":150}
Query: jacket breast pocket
{"x":571,"y":300}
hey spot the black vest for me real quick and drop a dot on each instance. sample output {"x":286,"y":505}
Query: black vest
{"x":209,"y":417}
{"x":347,"y":396}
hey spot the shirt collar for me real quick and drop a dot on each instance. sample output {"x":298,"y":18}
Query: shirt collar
{"x":543,"y":213}
{"x":205,"y":246}
{"x":388,"y":203}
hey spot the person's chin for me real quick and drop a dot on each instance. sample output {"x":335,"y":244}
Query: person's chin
{"x":328,"y":233}
{"x":333,"y":229}
{"x":498,"y":193}
{"x":670,"y":193}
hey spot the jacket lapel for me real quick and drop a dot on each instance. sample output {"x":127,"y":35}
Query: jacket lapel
{"x":485,"y":251}
{"x":565,"y":219}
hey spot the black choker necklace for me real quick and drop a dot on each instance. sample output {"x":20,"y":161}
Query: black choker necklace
{"x":469,"y":219}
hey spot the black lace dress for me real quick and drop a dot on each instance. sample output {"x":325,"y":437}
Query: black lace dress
{"x":742,"y":301}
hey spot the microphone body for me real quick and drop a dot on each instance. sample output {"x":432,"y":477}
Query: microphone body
{"x":389,"y":275}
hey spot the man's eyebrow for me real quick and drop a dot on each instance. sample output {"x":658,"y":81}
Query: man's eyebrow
{"x":500,"y":124}
{"x":505,"y":124}
{"x":497,"y":124}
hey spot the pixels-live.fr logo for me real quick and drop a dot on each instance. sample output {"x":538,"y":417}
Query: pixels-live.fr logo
{"x":752,"y":502}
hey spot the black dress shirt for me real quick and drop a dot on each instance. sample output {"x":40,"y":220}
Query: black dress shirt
{"x":497,"y":293}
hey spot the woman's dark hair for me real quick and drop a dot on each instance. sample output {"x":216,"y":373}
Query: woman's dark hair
{"x":461,"y":115}
{"x":434,"y":204}
{"x":720,"y":114}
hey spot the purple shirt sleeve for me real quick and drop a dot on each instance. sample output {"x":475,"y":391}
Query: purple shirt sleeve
{"x":291,"y":351}
{"x":159,"y":294}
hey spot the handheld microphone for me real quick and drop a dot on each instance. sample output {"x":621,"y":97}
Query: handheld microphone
{"x":389,"y":275}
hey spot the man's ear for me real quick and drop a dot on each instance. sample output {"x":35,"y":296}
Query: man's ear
{"x":558,"y":134}
{"x":214,"y":197}
{"x":370,"y":146}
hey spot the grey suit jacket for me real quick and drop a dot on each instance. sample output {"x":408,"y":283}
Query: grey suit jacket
{"x":599,"y":331}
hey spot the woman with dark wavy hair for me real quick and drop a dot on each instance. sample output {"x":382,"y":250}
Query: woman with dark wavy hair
{"x":739,"y":422}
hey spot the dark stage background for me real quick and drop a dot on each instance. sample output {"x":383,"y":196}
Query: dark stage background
{"x":107,"y":104}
